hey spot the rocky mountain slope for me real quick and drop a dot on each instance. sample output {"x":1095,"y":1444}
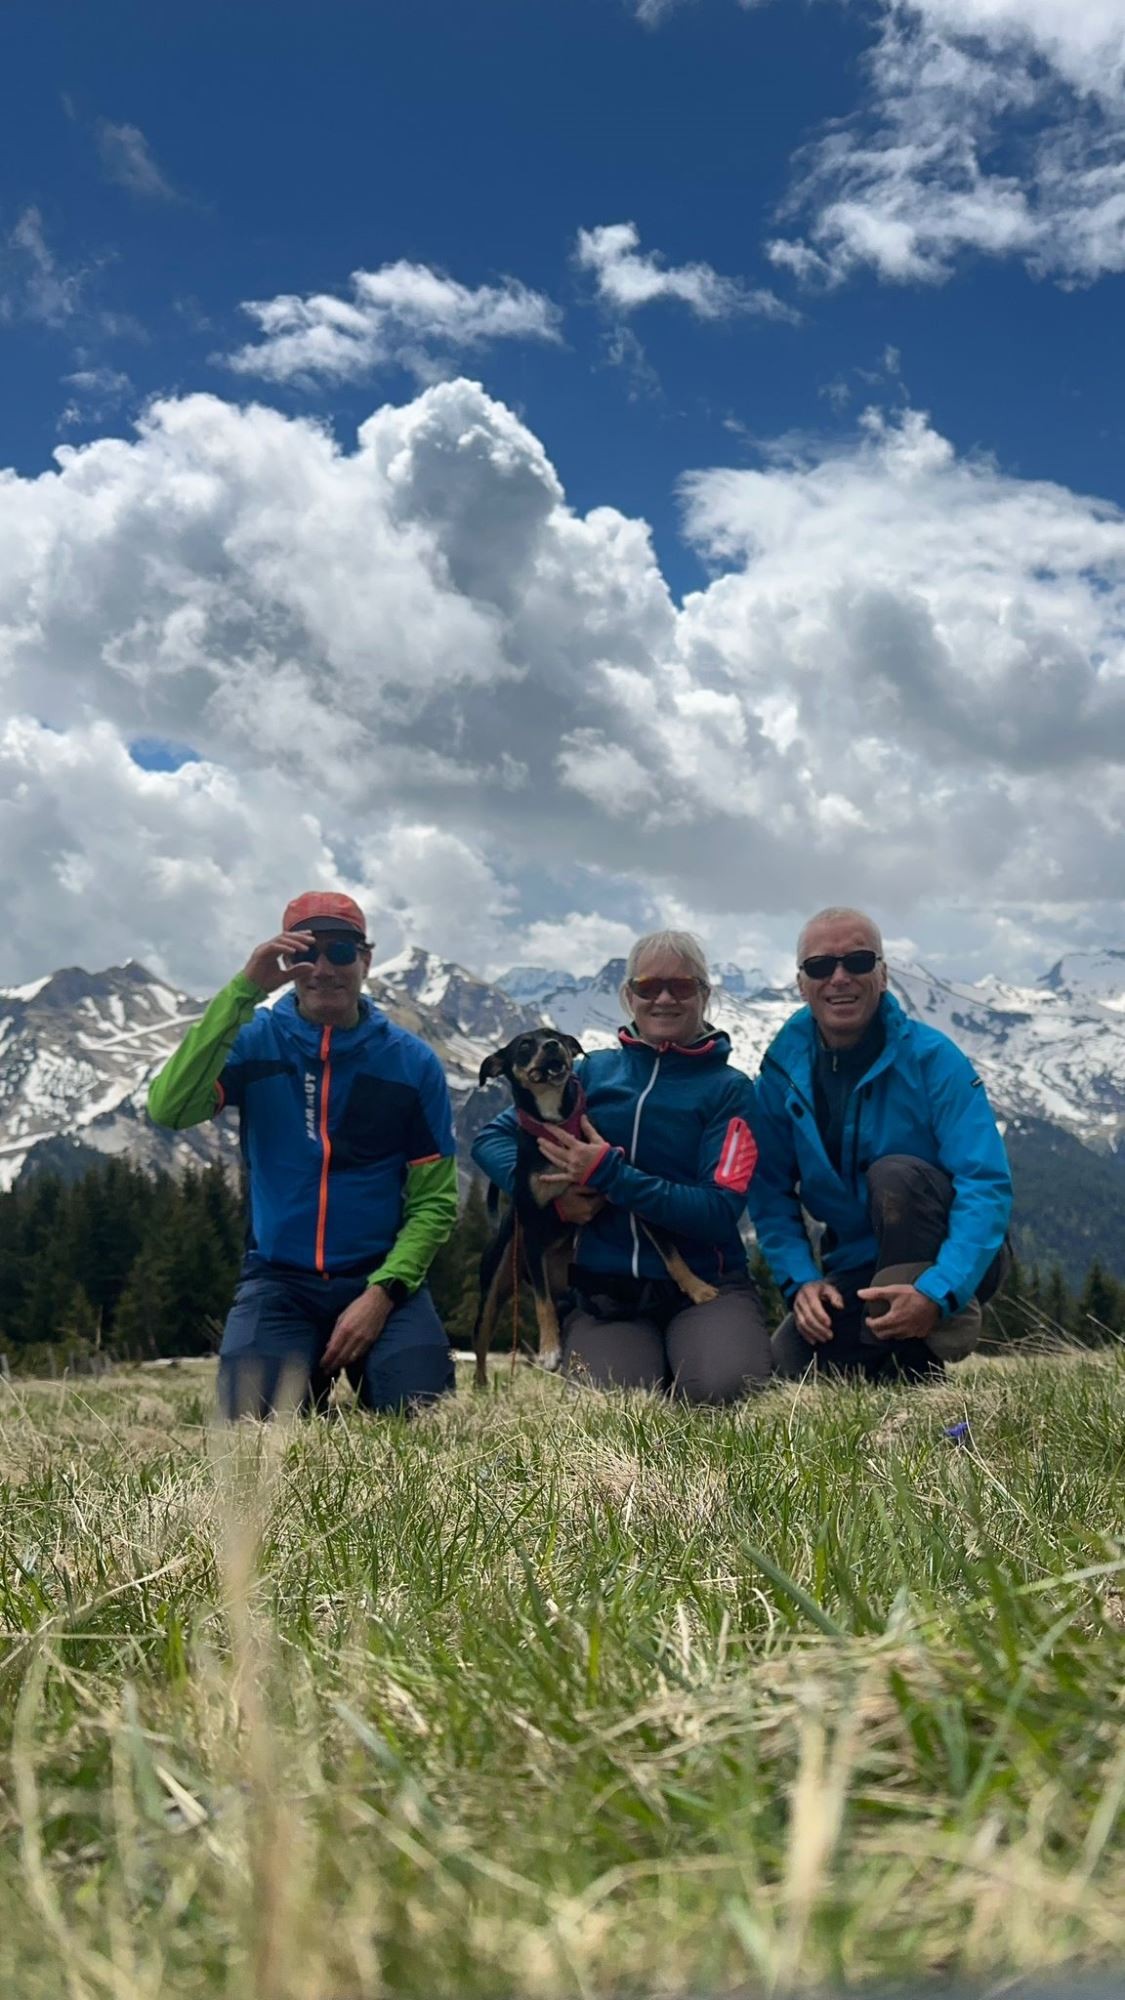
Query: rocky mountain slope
{"x":77,"y":1050}
{"x":1053,"y":1051}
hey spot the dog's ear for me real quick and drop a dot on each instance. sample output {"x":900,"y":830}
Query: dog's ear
{"x":576,"y":1048}
{"x":492,"y":1065}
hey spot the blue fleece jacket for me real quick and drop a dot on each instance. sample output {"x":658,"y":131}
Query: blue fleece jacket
{"x":920,"y":1096}
{"x":679,"y":1154}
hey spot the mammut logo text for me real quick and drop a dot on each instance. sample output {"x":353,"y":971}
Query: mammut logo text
{"x":310,"y":1103}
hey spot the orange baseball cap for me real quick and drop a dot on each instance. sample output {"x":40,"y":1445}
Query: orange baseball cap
{"x":324,"y":910}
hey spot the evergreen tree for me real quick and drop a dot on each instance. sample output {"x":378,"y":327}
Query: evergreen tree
{"x":1058,"y":1306}
{"x":48,"y":1302}
{"x":108,"y":1212}
{"x":454,"y":1272}
{"x":1009,"y":1317}
{"x":145,"y":1265}
{"x":1098,"y":1314}
{"x":224,"y":1206}
{"x":183,"y":1276}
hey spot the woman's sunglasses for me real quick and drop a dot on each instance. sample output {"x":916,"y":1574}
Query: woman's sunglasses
{"x":651,"y":989}
{"x":337,"y":950}
{"x":825,"y":963}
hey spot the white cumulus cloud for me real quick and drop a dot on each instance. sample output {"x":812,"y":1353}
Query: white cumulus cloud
{"x":403,"y":313}
{"x":412,"y":665}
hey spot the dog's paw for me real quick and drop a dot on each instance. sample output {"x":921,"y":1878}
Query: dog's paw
{"x":551,"y":1361}
{"x":702,"y":1295}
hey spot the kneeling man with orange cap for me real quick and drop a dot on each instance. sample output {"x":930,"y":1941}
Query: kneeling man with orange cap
{"x":347,"y":1134}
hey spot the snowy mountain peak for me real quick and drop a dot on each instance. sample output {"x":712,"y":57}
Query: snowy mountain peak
{"x":528,"y":983}
{"x":735,"y":979}
{"x":77,"y":1048}
{"x":73,"y":984}
{"x":411,"y":968}
{"x":1084,"y":976}
{"x":533,"y":983}
{"x":452,"y":1000}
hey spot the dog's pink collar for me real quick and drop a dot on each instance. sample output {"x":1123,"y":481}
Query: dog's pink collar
{"x":572,"y":1123}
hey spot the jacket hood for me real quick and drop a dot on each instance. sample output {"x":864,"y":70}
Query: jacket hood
{"x":712,"y":1046}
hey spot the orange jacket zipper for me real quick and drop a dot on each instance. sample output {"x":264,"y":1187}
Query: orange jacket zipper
{"x":326,"y":1151}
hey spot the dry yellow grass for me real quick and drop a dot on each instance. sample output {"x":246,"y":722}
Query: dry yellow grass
{"x":550,"y":1693}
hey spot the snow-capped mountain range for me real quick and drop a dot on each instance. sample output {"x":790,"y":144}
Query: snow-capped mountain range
{"x":77,"y":1048}
{"x":1055,"y":1050}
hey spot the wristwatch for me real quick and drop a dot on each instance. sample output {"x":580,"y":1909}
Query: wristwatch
{"x":396,"y":1291}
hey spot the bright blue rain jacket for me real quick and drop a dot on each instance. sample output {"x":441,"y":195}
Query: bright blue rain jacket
{"x":922,"y":1097}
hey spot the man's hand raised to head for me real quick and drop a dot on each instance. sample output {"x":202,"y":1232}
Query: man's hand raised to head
{"x":810,"y":1310}
{"x":264,"y":965}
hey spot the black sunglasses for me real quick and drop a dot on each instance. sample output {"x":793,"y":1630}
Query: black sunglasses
{"x":337,"y":950}
{"x":825,"y":962}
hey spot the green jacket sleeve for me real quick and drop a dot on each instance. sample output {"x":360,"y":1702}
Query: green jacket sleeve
{"x":184,"y":1092}
{"x":429,"y":1212}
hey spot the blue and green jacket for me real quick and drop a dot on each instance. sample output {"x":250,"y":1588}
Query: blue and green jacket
{"x":347,"y":1133}
{"x":679,"y":1154}
{"x":921,"y":1096}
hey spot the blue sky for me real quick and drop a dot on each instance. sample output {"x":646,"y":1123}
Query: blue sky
{"x":164,"y":167}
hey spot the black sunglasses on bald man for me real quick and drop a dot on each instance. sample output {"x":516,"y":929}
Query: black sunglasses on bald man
{"x":824,"y":964}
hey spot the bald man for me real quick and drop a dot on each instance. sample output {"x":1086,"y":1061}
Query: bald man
{"x":878,"y":1128}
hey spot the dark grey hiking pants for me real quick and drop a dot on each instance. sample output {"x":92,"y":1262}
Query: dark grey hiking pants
{"x":909,"y":1202}
{"x":714,"y":1353}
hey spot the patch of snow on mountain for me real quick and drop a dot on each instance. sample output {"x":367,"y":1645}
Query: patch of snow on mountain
{"x":164,"y":998}
{"x":735,"y":980}
{"x":529,"y":983}
{"x":70,"y":1059}
{"x":1089,"y":975}
{"x":29,"y":992}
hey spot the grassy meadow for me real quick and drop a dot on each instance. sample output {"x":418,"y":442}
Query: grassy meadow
{"x":548,"y":1693}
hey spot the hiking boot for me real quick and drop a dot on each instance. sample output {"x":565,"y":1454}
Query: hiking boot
{"x":953,"y":1338}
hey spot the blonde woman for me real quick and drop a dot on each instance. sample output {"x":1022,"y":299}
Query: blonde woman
{"x":666,"y":1139}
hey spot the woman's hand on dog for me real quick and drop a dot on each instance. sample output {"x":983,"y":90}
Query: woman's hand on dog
{"x":574,"y":1159}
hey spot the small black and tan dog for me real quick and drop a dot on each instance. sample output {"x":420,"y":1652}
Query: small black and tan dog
{"x":539,"y":1067}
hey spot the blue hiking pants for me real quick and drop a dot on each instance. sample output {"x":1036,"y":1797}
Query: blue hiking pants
{"x":280,"y":1324}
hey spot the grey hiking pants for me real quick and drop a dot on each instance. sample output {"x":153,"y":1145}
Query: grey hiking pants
{"x":909,"y":1202}
{"x":713,"y":1353}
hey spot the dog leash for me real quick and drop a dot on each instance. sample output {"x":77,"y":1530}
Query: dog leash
{"x":542,"y":1130}
{"x":515,"y":1296}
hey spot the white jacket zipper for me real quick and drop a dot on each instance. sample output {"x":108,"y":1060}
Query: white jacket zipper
{"x":633,"y":1162}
